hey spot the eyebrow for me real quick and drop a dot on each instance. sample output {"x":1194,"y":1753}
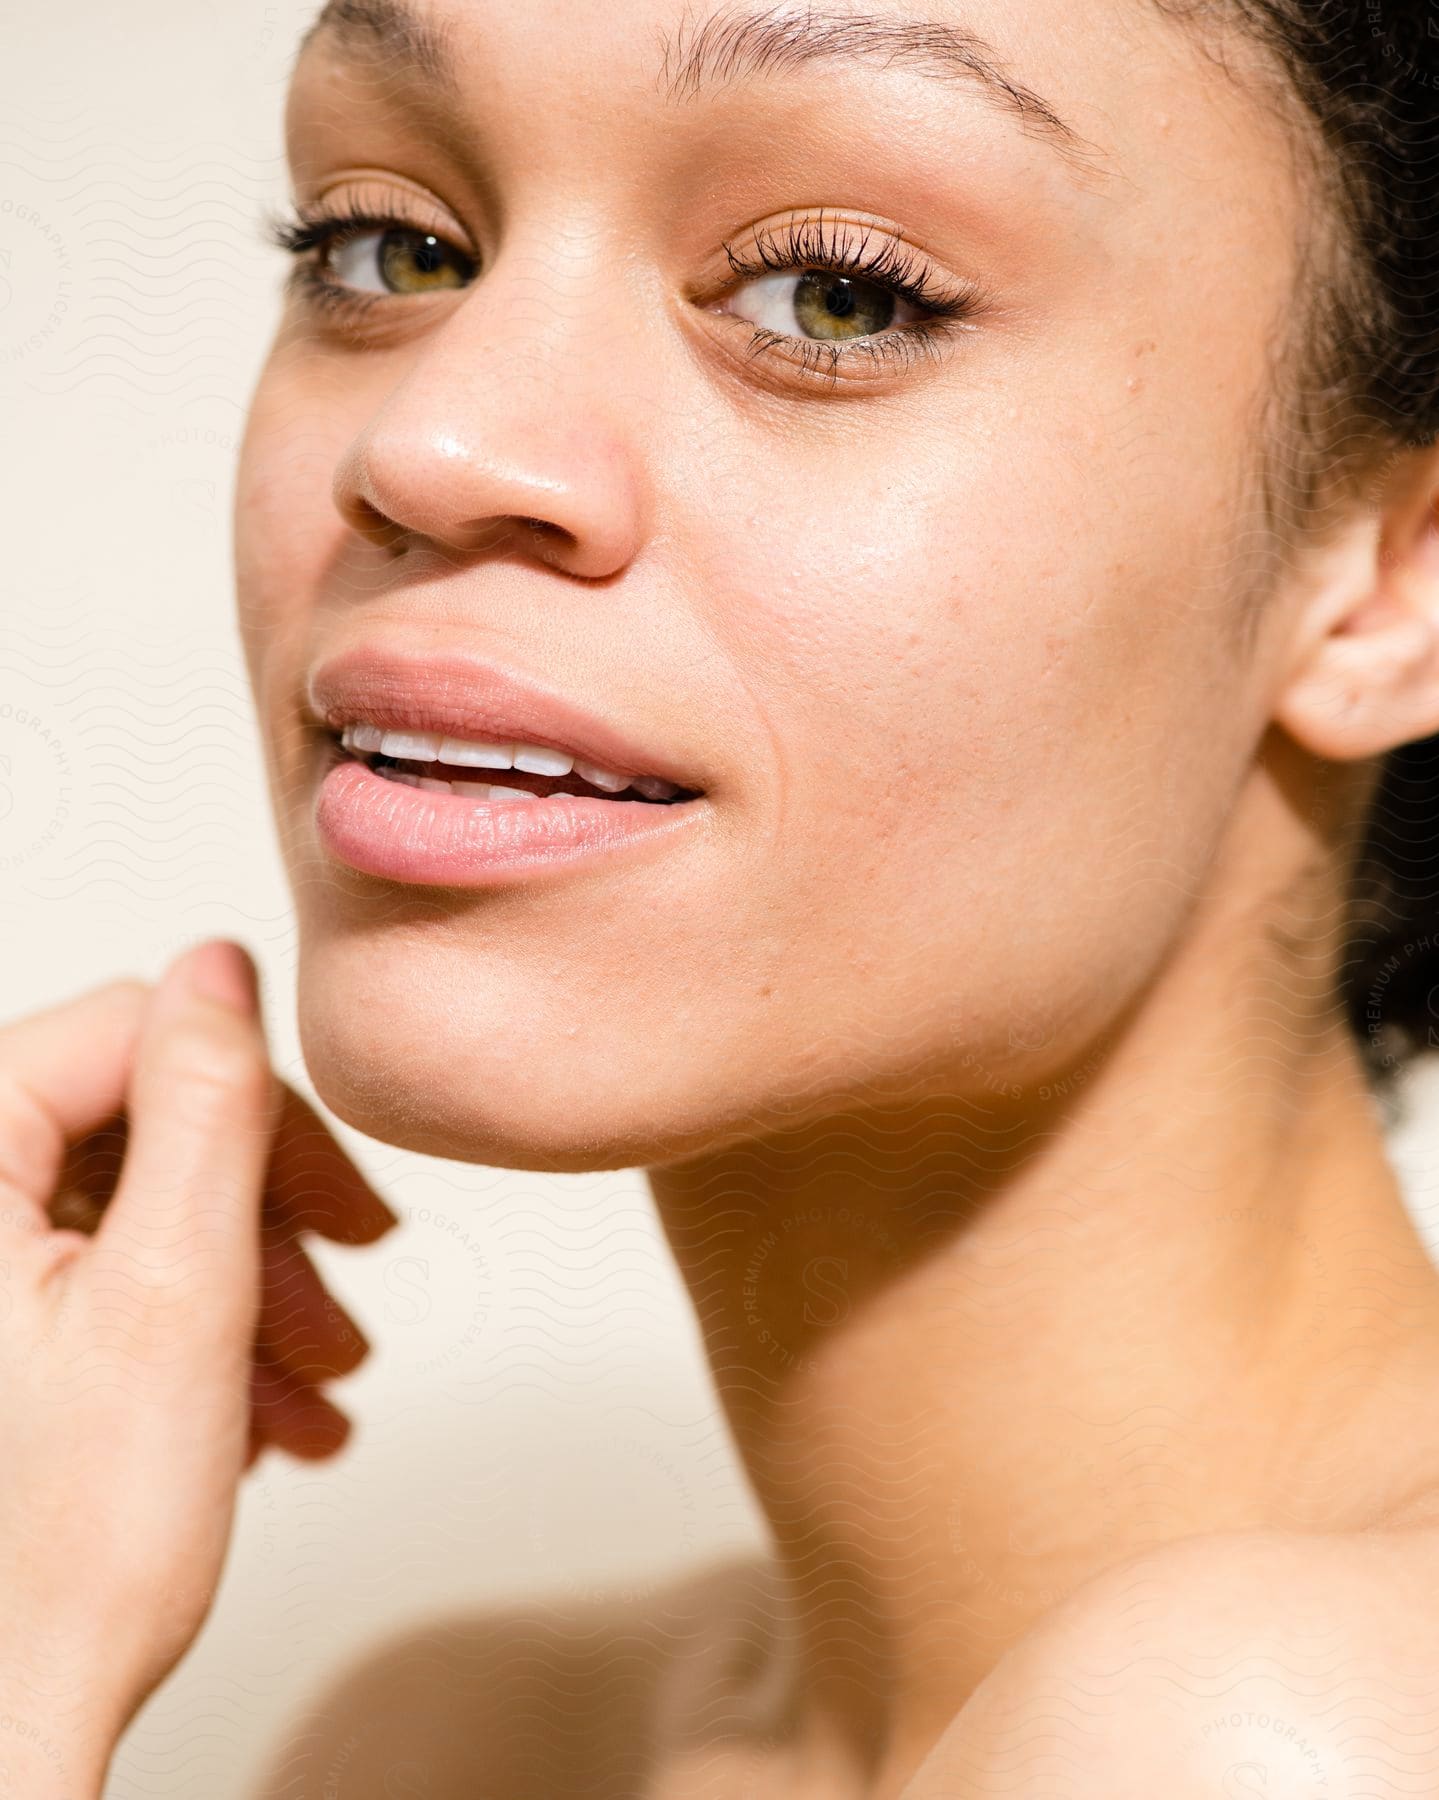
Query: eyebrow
{"x":388,"y":32}
{"x":729,"y":46}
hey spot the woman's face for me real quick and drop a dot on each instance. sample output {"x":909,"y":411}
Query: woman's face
{"x":942,"y":627}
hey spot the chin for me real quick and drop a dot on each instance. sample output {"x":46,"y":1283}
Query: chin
{"x":382,"y":1103}
{"x":508,"y":1064}
{"x":477,"y":1108}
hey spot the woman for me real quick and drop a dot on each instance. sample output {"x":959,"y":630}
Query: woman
{"x":931,"y":526}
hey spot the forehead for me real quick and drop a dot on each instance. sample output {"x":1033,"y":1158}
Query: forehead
{"x":728,"y":42}
{"x":1029,"y":62}
{"x":1115,"y":104}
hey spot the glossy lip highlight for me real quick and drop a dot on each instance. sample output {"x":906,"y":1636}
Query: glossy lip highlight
{"x":460,"y":696}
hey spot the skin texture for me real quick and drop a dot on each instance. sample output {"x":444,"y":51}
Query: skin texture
{"x":981,"y":1044}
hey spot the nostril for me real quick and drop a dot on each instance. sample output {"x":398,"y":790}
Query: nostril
{"x":375,"y":526}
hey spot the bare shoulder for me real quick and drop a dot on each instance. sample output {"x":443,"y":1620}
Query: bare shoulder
{"x":1254,"y":1663}
{"x":559,"y":1696}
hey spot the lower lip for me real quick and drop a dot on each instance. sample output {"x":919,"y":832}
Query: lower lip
{"x":404,"y":833}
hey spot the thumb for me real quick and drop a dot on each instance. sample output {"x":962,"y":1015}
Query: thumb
{"x":202,"y":1107}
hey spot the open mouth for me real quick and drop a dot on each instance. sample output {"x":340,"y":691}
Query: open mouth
{"x":495,"y":771}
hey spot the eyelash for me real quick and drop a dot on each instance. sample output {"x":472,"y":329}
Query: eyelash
{"x":793,"y":248}
{"x":900,"y":270}
{"x":310,"y":236}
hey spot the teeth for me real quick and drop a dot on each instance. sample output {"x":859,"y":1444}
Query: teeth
{"x":535,"y":759}
{"x":468,"y":753}
{"x":653,"y":787}
{"x":476,"y":753}
{"x":601,"y":778}
{"x":413,"y":746}
{"x":467,"y":790}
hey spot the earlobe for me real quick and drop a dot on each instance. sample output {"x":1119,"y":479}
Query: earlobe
{"x":1369,"y":680}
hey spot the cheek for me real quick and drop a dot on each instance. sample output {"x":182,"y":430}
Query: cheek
{"x":287,"y":534}
{"x":1010,"y":729}
{"x":286,"y":528}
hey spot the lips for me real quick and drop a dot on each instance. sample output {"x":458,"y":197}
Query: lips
{"x":462,"y":697}
{"x":381,"y":816}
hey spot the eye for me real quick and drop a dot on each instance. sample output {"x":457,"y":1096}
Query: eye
{"x":836,"y":297}
{"x":823,"y":304}
{"x":399,"y":260}
{"x":356,"y":257}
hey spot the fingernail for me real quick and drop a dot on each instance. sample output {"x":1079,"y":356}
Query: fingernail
{"x":221,"y":969}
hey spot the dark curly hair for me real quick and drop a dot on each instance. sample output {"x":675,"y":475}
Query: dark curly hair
{"x":1360,"y":385}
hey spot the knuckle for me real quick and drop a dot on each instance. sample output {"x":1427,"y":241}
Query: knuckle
{"x":29,"y":1140}
{"x":21,"y":1115}
{"x":206,"y":1069}
{"x":126,"y":992}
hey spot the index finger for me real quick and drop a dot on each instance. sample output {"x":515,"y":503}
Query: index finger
{"x":202,"y":1108}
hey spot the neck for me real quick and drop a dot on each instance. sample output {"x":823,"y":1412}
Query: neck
{"x":974,"y":1353}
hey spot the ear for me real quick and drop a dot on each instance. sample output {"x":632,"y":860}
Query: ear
{"x":1365,"y":670}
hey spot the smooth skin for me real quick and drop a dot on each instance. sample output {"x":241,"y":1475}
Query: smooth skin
{"x":982,"y":1047}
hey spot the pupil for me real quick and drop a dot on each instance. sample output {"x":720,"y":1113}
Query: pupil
{"x":839,"y":298}
{"x":428,"y":255}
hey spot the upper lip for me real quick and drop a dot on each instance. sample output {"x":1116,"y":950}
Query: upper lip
{"x":460,"y":696}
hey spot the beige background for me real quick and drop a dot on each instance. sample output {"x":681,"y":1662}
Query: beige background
{"x":537,"y":1416}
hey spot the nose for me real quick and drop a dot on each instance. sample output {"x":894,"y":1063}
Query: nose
{"x":486,"y":449}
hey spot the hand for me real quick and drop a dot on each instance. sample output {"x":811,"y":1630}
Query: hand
{"x":159,"y":1326}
